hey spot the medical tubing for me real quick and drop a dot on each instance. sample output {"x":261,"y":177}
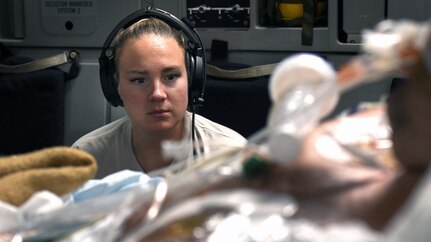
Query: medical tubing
{"x":285,"y":137}
{"x":300,"y":106}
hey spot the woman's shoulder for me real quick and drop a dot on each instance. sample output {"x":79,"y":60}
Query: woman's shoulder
{"x":114,"y":129}
{"x":216,"y":130}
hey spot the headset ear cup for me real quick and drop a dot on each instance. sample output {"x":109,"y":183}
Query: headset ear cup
{"x":200,"y":76}
{"x":108,"y":81}
{"x":114,"y":84}
{"x":189,"y":68}
{"x":190,"y":76}
{"x":116,"y":98}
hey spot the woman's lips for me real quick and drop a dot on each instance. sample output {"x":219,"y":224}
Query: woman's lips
{"x":159,"y":113}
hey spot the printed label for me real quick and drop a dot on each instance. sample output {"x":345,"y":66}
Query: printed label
{"x":69,"y":8}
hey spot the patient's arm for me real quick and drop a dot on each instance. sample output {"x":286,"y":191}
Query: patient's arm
{"x":331,"y":190}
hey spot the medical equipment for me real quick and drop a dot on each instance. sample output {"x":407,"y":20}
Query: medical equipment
{"x":304,"y":88}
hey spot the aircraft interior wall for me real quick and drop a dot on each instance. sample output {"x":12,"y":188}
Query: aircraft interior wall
{"x":41,"y":28}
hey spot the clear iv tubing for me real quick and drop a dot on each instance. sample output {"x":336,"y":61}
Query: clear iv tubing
{"x":285,"y":138}
{"x":302,"y":88}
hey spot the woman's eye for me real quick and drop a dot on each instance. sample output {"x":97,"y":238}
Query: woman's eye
{"x":138,"y":80}
{"x":172,"y":77}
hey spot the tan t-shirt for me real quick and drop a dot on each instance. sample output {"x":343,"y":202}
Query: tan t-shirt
{"x":111,"y":144}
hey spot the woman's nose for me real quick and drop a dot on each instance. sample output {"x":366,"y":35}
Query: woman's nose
{"x":158,"y":91}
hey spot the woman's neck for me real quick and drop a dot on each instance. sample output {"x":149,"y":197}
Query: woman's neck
{"x":147,"y":147}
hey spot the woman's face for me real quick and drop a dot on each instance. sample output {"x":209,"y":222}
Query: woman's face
{"x":153,"y":82}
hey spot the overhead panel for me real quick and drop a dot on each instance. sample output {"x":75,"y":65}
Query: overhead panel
{"x":62,"y":23}
{"x":219,"y":14}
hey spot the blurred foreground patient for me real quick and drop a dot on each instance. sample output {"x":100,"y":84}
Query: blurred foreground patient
{"x":327,"y":188}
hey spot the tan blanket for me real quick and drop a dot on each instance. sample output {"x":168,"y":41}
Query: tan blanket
{"x":60,"y":170}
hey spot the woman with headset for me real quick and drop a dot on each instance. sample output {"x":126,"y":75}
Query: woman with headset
{"x":156,"y":75}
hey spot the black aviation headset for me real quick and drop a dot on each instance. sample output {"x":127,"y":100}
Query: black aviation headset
{"x":195,"y":56}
